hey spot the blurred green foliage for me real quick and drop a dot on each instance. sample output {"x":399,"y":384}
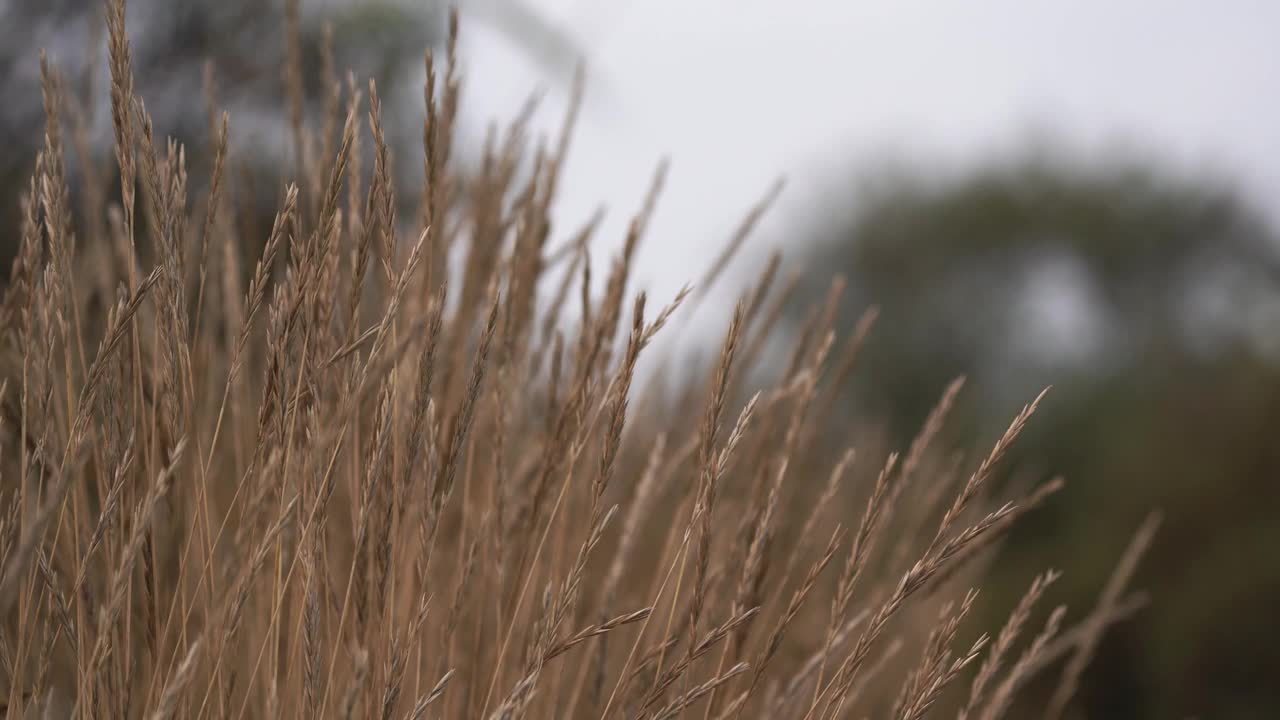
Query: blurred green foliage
{"x":183,"y":50}
{"x":236,"y":49}
{"x":1144,"y":296}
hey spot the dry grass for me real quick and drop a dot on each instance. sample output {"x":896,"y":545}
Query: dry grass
{"x":325,"y":482}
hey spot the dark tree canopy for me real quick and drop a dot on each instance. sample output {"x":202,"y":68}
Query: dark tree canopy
{"x":1147,"y":300}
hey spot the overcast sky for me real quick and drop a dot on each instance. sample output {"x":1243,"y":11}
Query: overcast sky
{"x":738,"y":93}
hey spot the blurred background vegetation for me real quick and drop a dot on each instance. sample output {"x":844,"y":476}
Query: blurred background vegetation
{"x":1148,"y":297}
{"x":1148,"y":300}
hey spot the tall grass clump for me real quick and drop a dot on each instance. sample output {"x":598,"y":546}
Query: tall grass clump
{"x":371,"y":465}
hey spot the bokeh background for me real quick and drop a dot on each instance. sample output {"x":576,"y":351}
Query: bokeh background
{"x":1079,"y":194}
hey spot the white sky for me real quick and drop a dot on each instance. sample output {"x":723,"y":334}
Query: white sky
{"x":738,"y":93}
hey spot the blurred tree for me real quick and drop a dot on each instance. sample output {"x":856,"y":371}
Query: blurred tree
{"x":1149,"y":300}
{"x":242,"y":44}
